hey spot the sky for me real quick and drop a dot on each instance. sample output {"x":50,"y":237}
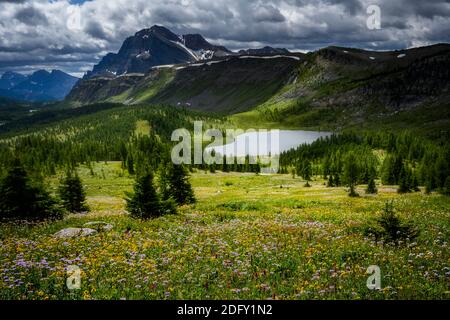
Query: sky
{"x":73,"y":35}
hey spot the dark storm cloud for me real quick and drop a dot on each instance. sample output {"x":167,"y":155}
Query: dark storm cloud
{"x":94,"y":29}
{"x":268,"y":13}
{"x":42,"y":32}
{"x":31,"y":16}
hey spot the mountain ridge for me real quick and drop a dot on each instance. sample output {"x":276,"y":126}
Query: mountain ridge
{"x":152,"y":47}
{"x":333,"y":86}
{"x":38,"y":86}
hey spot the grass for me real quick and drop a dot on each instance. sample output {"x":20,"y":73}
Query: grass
{"x":144,"y":94}
{"x":248,"y":237}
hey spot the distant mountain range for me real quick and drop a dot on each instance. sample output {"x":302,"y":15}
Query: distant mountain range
{"x":39,"y":86}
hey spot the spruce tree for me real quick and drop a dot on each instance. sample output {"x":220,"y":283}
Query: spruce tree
{"x":163,"y":182}
{"x":225,"y":167}
{"x":257,"y":168}
{"x":371,"y":186}
{"x":330,"y":182}
{"x":306,"y":172}
{"x":168,"y":204}
{"x":144,"y":203}
{"x":23,"y":199}
{"x":337,"y":180}
{"x":351,"y":173}
{"x":180,"y":188}
{"x":387,"y":174}
{"x":414,"y":183}
{"x":446,"y":189}
{"x":441,"y":171}
{"x":72,"y":194}
{"x":404,"y":180}
{"x":429,"y":185}
{"x":130,"y":165}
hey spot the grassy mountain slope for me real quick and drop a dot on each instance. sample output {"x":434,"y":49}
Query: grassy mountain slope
{"x":331,"y":88}
{"x":224,"y":86}
{"x":340,"y":87}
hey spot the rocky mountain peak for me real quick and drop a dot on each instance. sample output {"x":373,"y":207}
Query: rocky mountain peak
{"x":153,"y":47}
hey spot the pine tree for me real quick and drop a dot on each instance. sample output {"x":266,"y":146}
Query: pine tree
{"x":24,"y":199}
{"x":326,"y":167}
{"x":387,"y":175}
{"x":330,"y":182}
{"x":446,"y":189}
{"x":144,"y":203}
{"x":441,"y":171}
{"x":257,"y":167}
{"x":163,"y":182}
{"x":225,"y":167}
{"x":130,"y":165}
{"x":168,"y":204}
{"x":306,"y":172}
{"x":72,"y":194}
{"x":429,"y":185}
{"x":337,"y":180}
{"x":404,"y":180}
{"x":180,"y":188}
{"x":371,"y":186}
{"x":391,"y":169}
{"x":414,"y":183}
{"x":351,"y":173}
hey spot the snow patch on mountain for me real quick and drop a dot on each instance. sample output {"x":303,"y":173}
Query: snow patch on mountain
{"x":189,"y":51}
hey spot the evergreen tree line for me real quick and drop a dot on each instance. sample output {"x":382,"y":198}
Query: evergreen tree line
{"x":107,"y":135}
{"x":25,"y":197}
{"x":244,"y":165}
{"x":409,"y":161}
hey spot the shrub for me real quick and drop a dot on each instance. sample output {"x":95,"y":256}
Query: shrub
{"x":390,"y":228}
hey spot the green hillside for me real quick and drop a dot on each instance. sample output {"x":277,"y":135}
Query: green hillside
{"x":224,"y":86}
{"x":332,"y":88}
{"x":338,"y":88}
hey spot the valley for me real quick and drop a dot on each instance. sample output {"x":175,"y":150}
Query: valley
{"x":88,"y":180}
